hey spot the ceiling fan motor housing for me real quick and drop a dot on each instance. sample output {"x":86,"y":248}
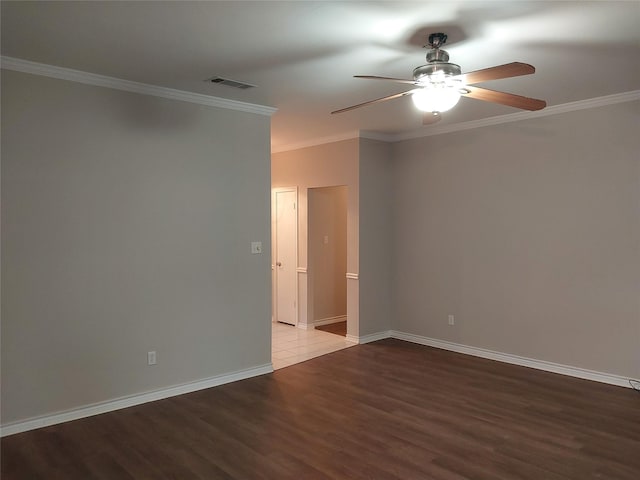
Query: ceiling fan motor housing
{"x":437,"y":55}
{"x":438,"y":68}
{"x":436,"y":72}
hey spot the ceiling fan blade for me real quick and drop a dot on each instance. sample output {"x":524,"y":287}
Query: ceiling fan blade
{"x":389,"y":97}
{"x":509,"y":99}
{"x":397,"y":80}
{"x":508,"y":70}
{"x":429,"y":118}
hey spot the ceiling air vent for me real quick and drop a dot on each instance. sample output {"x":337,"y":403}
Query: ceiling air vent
{"x":230,"y":83}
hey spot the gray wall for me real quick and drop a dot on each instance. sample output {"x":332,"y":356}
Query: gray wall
{"x":376,"y":249}
{"x":126,"y":227}
{"x":529,"y":233}
{"x":126,"y":223}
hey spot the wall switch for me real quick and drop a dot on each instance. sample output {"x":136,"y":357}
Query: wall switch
{"x":451,"y":320}
{"x":256,"y":247}
{"x":151,"y":358}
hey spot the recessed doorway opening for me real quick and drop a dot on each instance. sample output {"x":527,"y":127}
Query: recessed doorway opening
{"x":322,"y":216}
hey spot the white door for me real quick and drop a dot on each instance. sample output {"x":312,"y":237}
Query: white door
{"x":285,"y":242}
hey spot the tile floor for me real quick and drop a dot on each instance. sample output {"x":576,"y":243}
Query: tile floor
{"x":291,"y":345}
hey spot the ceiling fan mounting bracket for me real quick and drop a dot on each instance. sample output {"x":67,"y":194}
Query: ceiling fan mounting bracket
{"x":436,"y":40}
{"x":435,"y":54}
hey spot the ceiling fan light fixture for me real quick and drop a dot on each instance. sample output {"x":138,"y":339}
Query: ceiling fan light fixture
{"x":440,"y":84}
{"x":436,"y":98}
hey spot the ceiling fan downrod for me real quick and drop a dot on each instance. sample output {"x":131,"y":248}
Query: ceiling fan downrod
{"x":436,"y":41}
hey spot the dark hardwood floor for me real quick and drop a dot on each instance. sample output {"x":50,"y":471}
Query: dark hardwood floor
{"x":385,"y":410}
{"x":339,"y":328}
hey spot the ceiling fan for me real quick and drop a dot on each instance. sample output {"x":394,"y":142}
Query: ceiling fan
{"x":440,"y":84}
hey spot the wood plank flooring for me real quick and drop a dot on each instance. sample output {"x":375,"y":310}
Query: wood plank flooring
{"x":385,"y":410}
{"x":338,"y":328}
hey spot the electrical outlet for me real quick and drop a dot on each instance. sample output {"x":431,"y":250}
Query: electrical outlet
{"x":151,"y":358}
{"x":452,"y":320}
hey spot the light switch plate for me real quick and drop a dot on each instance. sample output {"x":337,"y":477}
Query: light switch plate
{"x":256,"y":247}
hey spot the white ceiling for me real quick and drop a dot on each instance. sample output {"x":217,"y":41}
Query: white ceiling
{"x":302,"y":55}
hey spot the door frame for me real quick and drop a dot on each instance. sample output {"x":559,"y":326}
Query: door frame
{"x":311,"y":279}
{"x":274,"y":303}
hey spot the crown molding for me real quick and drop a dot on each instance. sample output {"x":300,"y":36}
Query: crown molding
{"x":516,"y":117}
{"x":35,"y":68}
{"x":383,"y":137}
{"x":316,"y":142}
{"x":483,"y":122}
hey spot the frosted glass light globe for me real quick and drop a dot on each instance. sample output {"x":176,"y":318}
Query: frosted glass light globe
{"x":436,"y":98}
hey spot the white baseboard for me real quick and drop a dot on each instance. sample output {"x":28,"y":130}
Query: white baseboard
{"x":373,"y":337}
{"x":124,"y":402}
{"x":352,"y":338}
{"x":577,"y":372}
{"x":329,"y":320}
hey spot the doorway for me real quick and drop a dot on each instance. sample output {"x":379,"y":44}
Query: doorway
{"x":327,"y":258}
{"x":322,"y":216}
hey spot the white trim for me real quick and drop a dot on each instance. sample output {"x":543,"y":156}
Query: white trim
{"x":35,"y":68}
{"x":383,"y":137}
{"x":316,"y":141}
{"x":577,"y":372}
{"x":26,"y":66}
{"x":301,"y":270}
{"x":352,"y":276}
{"x":304,"y":326}
{"x":130,"y":401}
{"x":330,"y":320}
{"x":352,"y":338}
{"x":483,"y":122}
{"x":516,"y":117}
{"x":374,"y":337}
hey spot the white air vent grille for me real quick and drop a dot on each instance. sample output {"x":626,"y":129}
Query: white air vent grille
{"x":230,"y":83}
